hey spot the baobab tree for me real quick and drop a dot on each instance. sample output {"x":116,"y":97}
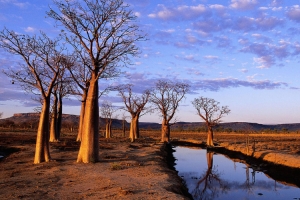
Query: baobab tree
{"x":81,"y":76}
{"x":42,"y":64}
{"x":210,"y":111}
{"x":135,"y":105}
{"x":124,"y":124}
{"x":105,"y":37}
{"x":62,"y":88}
{"x":107,"y":110}
{"x":166,"y":97}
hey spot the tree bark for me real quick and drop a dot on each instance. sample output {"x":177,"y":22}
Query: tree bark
{"x":108,"y":129}
{"x":210,"y":137}
{"x":89,"y":147}
{"x":165,"y":131}
{"x":59,"y":118}
{"x":53,"y":125}
{"x":133,"y":128}
{"x":81,"y":117}
{"x":42,"y":141}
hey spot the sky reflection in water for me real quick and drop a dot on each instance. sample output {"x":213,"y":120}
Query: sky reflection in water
{"x":213,"y":176}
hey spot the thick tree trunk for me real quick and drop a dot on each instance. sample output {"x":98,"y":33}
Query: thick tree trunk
{"x":89,"y":147}
{"x":133,"y":128}
{"x":210,"y":136}
{"x":165,"y":131}
{"x":81,"y":117}
{"x":42,"y":153}
{"x":59,"y":118}
{"x":53,"y":125}
{"x":108,"y":129}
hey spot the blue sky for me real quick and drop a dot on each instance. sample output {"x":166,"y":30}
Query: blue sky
{"x":243,"y":53}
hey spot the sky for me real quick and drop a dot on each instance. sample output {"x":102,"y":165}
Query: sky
{"x":242,"y":53}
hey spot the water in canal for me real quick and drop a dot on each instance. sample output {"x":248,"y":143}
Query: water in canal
{"x":213,"y":176}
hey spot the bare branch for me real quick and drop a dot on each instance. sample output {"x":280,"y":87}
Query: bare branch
{"x":209,"y":110}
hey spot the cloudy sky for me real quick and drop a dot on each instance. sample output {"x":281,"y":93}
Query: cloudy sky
{"x":243,"y":53}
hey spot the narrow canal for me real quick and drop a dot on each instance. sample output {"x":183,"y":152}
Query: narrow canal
{"x":213,"y":176}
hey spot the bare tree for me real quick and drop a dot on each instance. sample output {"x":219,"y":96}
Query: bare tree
{"x":63,"y":87}
{"x":135,"y":105}
{"x":124,"y":124}
{"x":166,"y":97}
{"x":53,"y":124}
{"x":103,"y":34}
{"x":81,"y":76}
{"x":210,"y":111}
{"x":107,"y":111}
{"x":1,"y":114}
{"x":42,"y":57}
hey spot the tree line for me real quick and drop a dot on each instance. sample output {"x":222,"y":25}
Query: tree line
{"x":97,"y":39}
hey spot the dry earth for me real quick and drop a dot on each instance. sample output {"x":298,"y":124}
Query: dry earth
{"x":126,"y":171}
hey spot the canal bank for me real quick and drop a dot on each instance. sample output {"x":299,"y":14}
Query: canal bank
{"x":211,"y":175}
{"x":279,"y":166}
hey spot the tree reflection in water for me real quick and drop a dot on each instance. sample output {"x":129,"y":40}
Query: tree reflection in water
{"x":210,"y":183}
{"x":220,"y":180}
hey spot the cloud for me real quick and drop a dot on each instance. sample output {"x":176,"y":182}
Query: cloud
{"x":30,"y":29}
{"x":243,"y":70}
{"x":188,"y":57}
{"x":193,"y":71}
{"x":20,"y":96}
{"x":211,"y":57}
{"x":276,"y":3}
{"x":182,"y":45}
{"x":217,"y":84}
{"x":15,"y":3}
{"x":182,"y":12}
{"x":243,"y":4}
{"x":262,"y":23}
{"x":256,"y":48}
{"x":264,"y":62}
{"x":294,"y":13}
{"x":137,"y":14}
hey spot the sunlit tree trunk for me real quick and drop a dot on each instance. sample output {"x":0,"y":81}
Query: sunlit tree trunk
{"x":133,"y":128}
{"x":81,"y":117}
{"x":165,"y":131}
{"x":53,"y":125}
{"x":89,"y":147}
{"x":108,"y":129}
{"x":42,"y":141}
{"x":210,"y":137}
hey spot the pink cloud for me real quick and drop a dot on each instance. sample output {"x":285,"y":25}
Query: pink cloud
{"x":294,"y":13}
{"x":243,"y":4}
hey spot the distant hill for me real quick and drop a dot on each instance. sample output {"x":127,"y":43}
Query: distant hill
{"x":22,"y":118}
{"x":241,"y":126}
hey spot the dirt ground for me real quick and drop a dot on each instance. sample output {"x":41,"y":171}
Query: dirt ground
{"x":126,"y":170}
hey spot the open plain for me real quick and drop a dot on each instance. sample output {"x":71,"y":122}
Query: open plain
{"x":139,"y":170}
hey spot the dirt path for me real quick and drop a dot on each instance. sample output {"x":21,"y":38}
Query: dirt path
{"x":126,"y":171}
